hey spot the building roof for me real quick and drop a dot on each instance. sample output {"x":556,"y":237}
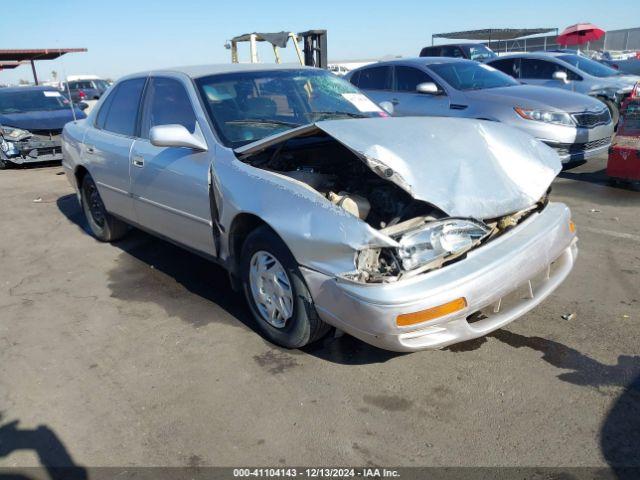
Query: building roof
{"x":494,"y":33}
{"x":36,"y":54}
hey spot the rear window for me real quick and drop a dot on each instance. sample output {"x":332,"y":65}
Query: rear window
{"x":122,"y":108}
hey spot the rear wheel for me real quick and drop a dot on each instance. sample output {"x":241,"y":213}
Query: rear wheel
{"x":277,"y":293}
{"x":104,"y":226}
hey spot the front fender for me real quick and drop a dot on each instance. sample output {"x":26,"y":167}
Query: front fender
{"x":320,"y":235}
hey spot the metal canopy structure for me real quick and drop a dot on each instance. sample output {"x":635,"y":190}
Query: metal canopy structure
{"x":489,"y":34}
{"x":9,"y":65}
{"x":17,"y":57}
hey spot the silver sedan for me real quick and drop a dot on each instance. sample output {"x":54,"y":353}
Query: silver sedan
{"x":408,"y":233}
{"x":576,"y":126}
{"x":570,"y":72}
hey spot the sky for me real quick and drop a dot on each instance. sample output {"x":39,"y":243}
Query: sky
{"x":126,"y":36}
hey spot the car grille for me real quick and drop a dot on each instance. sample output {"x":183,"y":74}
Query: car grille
{"x":578,"y":148}
{"x":592,"y":119}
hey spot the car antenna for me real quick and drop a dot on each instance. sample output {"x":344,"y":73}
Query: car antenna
{"x":66,"y":81}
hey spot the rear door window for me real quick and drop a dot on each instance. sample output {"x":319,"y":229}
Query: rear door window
{"x":122,"y":114}
{"x":510,"y":66}
{"x":167,"y":103}
{"x":375,"y":78}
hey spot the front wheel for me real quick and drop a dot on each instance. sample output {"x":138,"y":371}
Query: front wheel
{"x":3,"y":164}
{"x":104,"y":226}
{"x":613,"y":110}
{"x":276,"y":292}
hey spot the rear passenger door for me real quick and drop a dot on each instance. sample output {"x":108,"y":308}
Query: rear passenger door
{"x":170,"y":184}
{"x":107,"y":146}
{"x":407,"y":101}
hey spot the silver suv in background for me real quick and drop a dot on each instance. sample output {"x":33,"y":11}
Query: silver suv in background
{"x":572,"y":72}
{"x":87,"y":89}
{"x":576,"y":126}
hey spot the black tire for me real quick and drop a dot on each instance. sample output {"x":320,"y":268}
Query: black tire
{"x":104,"y":226}
{"x":613,"y":110}
{"x":3,"y":164}
{"x":304,"y":326}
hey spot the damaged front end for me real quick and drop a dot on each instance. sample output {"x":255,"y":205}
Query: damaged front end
{"x":433,"y":188}
{"x":22,"y":146}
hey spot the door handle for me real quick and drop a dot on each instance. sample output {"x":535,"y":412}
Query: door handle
{"x":90,"y":149}
{"x":138,"y":161}
{"x":395,"y":101}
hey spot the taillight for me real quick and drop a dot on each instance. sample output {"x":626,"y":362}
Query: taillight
{"x":81,"y":94}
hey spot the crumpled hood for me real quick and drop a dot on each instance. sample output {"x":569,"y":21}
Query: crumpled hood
{"x":40,"y":120}
{"x":529,"y":96}
{"x":465,"y":167}
{"x":625,"y":82}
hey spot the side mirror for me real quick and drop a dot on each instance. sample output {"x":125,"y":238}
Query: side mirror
{"x":175,"y":136}
{"x":429,"y":88}
{"x":387,"y":107}
{"x":561,"y":76}
{"x":82,"y":105}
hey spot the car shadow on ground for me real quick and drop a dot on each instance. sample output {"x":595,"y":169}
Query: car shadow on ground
{"x":620,"y":431}
{"x":43,"y":441}
{"x":193,"y":289}
{"x":599,"y":177}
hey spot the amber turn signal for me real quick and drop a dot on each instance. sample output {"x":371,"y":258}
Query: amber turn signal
{"x":431,"y":313}
{"x":572,"y":226}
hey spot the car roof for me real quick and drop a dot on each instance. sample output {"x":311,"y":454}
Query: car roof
{"x":461,"y":44}
{"x":419,"y":61}
{"x":531,"y":55}
{"x":198,"y":71}
{"x":35,"y":88}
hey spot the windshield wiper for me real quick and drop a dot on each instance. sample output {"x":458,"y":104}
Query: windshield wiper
{"x":343,"y":114}
{"x":265,"y":121}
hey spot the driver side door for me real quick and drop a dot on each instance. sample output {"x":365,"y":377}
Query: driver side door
{"x":408,"y":101}
{"x":170,"y":184}
{"x":534,"y":71}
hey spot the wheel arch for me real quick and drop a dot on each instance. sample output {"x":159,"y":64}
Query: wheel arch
{"x":80,"y":172}
{"x":242,"y":225}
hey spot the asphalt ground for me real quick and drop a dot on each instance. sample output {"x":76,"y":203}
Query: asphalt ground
{"x":139,"y":353}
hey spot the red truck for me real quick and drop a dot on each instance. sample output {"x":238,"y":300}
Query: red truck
{"x":624,"y":154}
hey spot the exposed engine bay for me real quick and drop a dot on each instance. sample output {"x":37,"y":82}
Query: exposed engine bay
{"x":341,"y":177}
{"x":345,"y":180}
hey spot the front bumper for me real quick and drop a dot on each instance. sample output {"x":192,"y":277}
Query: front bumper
{"x":571,"y":143}
{"x":580,"y":151}
{"x":535,"y":256}
{"x":34,"y":149}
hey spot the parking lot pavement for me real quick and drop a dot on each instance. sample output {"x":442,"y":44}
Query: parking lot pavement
{"x":139,"y":353}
